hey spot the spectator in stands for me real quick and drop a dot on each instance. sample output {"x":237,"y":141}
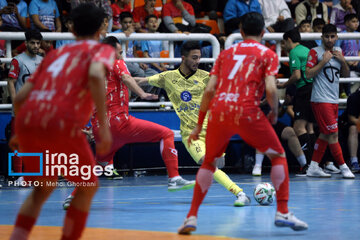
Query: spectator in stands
{"x":347,"y":122}
{"x":13,"y":15}
{"x":140,"y":13}
{"x":292,"y":4}
{"x":311,"y":9}
{"x":104,"y":4}
{"x":304,"y":27}
{"x":68,"y":23}
{"x":153,"y":48}
{"x":45,"y":15}
{"x":117,"y":8}
{"x":213,"y":7}
{"x":277,"y":15}
{"x":178,"y":17}
{"x":318,"y":25}
{"x":338,"y":13}
{"x":233,"y":11}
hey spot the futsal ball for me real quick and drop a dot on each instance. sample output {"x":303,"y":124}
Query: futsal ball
{"x":264,"y":193}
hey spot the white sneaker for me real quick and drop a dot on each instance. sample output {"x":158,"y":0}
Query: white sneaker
{"x":330,"y":168}
{"x":242,"y":200}
{"x":316,"y":171}
{"x":179,"y":184}
{"x":289,"y":220}
{"x":188,"y":226}
{"x":67,"y":202}
{"x":256,"y":170}
{"x":346,"y":172}
{"x":21,"y":182}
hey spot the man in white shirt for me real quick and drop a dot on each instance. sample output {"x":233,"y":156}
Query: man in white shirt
{"x":277,"y":15}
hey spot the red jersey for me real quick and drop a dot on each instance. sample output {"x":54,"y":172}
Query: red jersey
{"x":169,"y":9}
{"x":60,"y":98}
{"x":117,"y":11}
{"x":139,"y":15}
{"x":117,"y":93}
{"x":240,"y":72}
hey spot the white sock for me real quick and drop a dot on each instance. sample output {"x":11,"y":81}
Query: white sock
{"x":354,"y":159}
{"x":302,"y":160}
{"x":344,"y":166}
{"x":313,"y":163}
{"x":259,"y":157}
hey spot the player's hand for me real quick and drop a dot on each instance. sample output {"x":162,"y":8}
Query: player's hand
{"x":194,"y":135}
{"x":327,"y":56}
{"x":272,"y":116}
{"x":270,"y":29}
{"x":149,"y":96}
{"x":14,"y":143}
{"x":103,"y":146}
{"x":338,"y":55}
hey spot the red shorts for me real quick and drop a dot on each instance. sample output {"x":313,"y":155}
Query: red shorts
{"x":326,"y":115}
{"x":70,"y":144}
{"x":132,"y":130}
{"x":258,"y":133}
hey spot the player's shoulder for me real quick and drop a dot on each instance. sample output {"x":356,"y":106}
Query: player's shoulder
{"x":202,"y":73}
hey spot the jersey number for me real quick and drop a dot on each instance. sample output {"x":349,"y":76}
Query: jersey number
{"x":56,"y":67}
{"x":239,"y":59}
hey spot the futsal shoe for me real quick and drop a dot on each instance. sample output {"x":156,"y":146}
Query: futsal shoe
{"x":256,"y":170}
{"x":330,"y":168}
{"x":67,"y":202}
{"x":346,"y":173}
{"x":355,"y":167}
{"x":114,"y":173}
{"x":289,"y":220}
{"x":188,"y":226}
{"x":302,"y":172}
{"x":178,"y":183}
{"x":316,"y":171}
{"x":242,"y":200}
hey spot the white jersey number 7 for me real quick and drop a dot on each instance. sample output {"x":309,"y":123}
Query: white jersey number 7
{"x":239,"y":59}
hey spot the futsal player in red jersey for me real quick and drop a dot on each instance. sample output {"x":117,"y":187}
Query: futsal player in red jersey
{"x":52,"y":107}
{"x":237,"y":82}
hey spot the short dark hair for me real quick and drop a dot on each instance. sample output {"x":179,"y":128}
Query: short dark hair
{"x":188,"y":46}
{"x":304,"y":22}
{"x":150,"y":16}
{"x":87,"y":19}
{"x":318,"y":21}
{"x":111,"y":40}
{"x":124,"y":15}
{"x":33,"y":34}
{"x":350,"y":16}
{"x":252,"y":23}
{"x":329,"y":28}
{"x":293,"y":34}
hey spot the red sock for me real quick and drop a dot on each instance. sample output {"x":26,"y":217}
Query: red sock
{"x":204,"y":179}
{"x":74,"y":224}
{"x":17,"y":164}
{"x":280,"y":179}
{"x":74,"y":192}
{"x":319,"y":150}
{"x":23,"y":226}
{"x":336,"y":151}
{"x":169,"y":154}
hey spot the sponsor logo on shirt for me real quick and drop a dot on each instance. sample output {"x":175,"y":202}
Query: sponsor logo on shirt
{"x":228,"y":97}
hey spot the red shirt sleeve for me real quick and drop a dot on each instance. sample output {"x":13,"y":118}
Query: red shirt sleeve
{"x":21,"y":48}
{"x":120,"y":68}
{"x":189,"y":8}
{"x":272,"y":63}
{"x":312,"y":59}
{"x":14,"y":69}
{"x":106,"y":55}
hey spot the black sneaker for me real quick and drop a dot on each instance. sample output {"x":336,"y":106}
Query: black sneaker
{"x":302,"y":172}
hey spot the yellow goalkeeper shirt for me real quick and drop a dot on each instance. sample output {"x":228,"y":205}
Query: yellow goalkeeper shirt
{"x":185,"y":93}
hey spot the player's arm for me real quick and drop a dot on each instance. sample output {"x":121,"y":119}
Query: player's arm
{"x":134,"y":87}
{"x":11,"y":86}
{"x":141,"y":80}
{"x":345,"y":70}
{"x":295,"y":76}
{"x":272,"y":98}
{"x":97,"y":75}
{"x":313,"y":71}
{"x":22,"y":95}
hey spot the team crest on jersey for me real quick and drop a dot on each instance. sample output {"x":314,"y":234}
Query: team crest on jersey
{"x":186,"y":96}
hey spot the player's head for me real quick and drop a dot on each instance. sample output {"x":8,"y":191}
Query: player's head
{"x":305,"y":26}
{"x":318,"y":24}
{"x":115,"y":43}
{"x":351,"y":21}
{"x":252,"y":24}
{"x":126,"y":19}
{"x":329,"y":36}
{"x":151,"y":23}
{"x":290,"y":37}
{"x":33,"y":41}
{"x":87,"y":20}
{"x":190,"y":55}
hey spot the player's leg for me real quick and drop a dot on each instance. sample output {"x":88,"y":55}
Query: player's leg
{"x":217,"y":138}
{"x":144,"y":131}
{"x":197,"y":151}
{"x":31,"y":208}
{"x":260,"y":135}
{"x":259,"y":157}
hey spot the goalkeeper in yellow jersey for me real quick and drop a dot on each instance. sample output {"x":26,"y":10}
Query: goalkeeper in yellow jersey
{"x":185,"y":87}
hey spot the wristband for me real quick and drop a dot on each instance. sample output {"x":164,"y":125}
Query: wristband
{"x":201,"y":117}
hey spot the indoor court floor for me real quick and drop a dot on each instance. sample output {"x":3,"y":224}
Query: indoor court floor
{"x":141,"y":208}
